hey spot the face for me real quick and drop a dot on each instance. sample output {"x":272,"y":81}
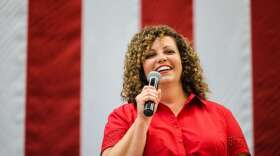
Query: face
{"x":164,"y":57}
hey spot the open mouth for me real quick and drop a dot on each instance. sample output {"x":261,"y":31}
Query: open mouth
{"x":163,"y":68}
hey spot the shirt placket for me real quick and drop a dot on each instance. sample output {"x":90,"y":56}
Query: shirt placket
{"x":179,"y":138}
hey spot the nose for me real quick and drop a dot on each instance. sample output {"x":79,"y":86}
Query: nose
{"x":162,"y":58}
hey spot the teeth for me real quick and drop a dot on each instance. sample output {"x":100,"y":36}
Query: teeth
{"x":162,"y":68}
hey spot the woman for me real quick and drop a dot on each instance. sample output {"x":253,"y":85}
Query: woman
{"x":184,"y":122}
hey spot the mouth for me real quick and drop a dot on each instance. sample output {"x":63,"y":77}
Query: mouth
{"x":163,"y":68}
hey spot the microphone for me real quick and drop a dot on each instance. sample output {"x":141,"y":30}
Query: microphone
{"x":153,"y":80}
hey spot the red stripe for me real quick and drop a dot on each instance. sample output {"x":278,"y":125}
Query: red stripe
{"x":53,"y":78}
{"x":266,"y":68}
{"x":177,"y":14}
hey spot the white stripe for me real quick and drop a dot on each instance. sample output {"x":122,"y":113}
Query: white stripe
{"x":222,"y":37}
{"x":13,"y":29}
{"x":108,"y":26}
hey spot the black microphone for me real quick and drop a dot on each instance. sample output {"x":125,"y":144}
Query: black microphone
{"x":153,"y":79}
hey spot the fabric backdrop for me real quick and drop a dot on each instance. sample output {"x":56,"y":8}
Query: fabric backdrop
{"x":61,"y":66}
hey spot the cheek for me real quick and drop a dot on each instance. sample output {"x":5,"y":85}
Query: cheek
{"x":180,"y":67}
{"x":147,"y":67}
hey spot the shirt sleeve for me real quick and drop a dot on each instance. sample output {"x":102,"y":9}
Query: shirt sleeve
{"x":118,"y":123}
{"x":235,"y":139}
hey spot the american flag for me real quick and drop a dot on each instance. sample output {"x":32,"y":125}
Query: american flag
{"x":61,"y":64}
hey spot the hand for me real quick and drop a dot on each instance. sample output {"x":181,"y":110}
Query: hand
{"x":148,"y":93}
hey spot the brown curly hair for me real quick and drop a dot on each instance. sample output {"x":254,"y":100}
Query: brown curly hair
{"x":134,"y":78}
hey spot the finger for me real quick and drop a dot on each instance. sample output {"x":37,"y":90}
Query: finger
{"x":148,"y":88}
{"x":150,"y":98}
{"x":150,"y":93}
{"x":145,"y":87}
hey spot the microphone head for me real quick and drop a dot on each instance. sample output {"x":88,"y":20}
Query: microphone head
{"x":153,"y":74}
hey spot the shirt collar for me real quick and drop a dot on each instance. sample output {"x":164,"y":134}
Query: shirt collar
{"x":192,"y":97}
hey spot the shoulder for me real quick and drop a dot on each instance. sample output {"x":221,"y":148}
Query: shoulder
{"x":125,"y":108}
{"x":235,"y":138}
{"x":217,"y":107}
{"x":119,"y":121}
{"x":125,"y":112}
{"x":222,"y":113}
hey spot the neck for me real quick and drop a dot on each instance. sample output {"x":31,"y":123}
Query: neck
{"x":173,"y":96}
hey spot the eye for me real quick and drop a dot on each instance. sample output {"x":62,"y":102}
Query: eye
{"x":169,"y":51}
{"x":150,"y":55}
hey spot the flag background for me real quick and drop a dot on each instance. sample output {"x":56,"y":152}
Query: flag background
{"x":61,"y":67}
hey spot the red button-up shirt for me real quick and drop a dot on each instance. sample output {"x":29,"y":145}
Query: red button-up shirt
{"x":201,"y":128}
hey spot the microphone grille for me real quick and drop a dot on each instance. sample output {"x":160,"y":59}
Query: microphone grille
{"x":154,"y":74}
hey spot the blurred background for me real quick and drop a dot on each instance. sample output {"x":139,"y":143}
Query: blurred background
{"x":61,"y":65}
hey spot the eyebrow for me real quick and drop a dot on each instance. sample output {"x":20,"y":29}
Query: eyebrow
{"x":150,"y":51}
{"x":165,"y":47}
{"x":168,"y":47}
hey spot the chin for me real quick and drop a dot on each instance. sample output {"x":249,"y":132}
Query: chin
{"x":167,"y":79}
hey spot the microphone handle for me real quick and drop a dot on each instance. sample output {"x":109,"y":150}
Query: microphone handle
{"x":149,"y":108}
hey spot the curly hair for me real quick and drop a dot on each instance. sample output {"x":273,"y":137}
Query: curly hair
{"x":134,"y":78}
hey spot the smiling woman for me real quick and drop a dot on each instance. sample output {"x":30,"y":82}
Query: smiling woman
{"x":139,"y":51}
{"x":164,"y":57}
{"x":184,"y":122}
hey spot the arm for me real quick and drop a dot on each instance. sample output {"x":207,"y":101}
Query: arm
{"x":134,"y":140}
{"x":236,"y":141}
{"x":132,"y":143}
